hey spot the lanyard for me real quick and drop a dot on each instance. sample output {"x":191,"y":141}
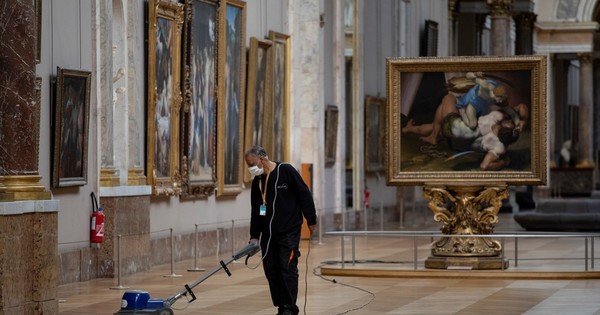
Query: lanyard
{"x":264,"y":193}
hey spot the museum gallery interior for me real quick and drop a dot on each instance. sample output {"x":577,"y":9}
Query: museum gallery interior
{"x":451,"y":148}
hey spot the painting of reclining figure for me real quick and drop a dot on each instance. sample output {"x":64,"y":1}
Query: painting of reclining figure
{"x":474,"y":119}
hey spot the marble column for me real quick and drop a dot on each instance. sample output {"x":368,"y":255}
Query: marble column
{"x":358,"y":96}
{"x":524,"y":33}
{"x":524,"y":46}
{"x":135,"y":93}
{"x":109,"y":175}
{"x":339,"y":85}
{"x":306,"y":95}
{"x":500,"y":15}
{"x":586,"y":111}
{"x":596,"y":133}
{"x":20,"y":113}
{"x":452,"y":20}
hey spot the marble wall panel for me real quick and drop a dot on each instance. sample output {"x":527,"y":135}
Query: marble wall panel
{"x":17,"y":86}
{"x":28,"y":263}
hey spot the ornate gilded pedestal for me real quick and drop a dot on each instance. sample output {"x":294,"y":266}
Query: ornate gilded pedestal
{"x":466,"y":210}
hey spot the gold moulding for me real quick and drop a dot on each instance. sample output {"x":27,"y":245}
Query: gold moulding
{"x":585,"y":164}
{"x":23,"y":187}
{"x":136,"y":177}
{"x":109,"y":177}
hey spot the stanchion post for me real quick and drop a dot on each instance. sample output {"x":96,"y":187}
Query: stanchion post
{"x":172,"y":275}
{"x":502,"y":253}
{"x":586,"y":254}
{"x":218,"y":251}
{"x":353,"y":251}
{"x":366,"y":219}
{"x":342,"y":249}
{"x":381,"y":215}
{"x":233,"y":240}
{"x":119,"y":285}
{"x":415,"y":253}
{"x":344,"y":219}
{"x":401,"y":213}
{"x":320,"y":218}
{"x":196,"y":251}
{"x":592,"y":251}
{"x":516,"y":251}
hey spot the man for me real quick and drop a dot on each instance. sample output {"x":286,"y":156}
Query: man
{"x":279,"y":200}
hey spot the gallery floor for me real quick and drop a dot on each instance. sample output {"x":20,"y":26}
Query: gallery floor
{"x":570,"y":289}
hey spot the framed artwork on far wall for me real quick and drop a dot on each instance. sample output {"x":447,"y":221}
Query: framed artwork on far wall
{"x":71,"y":128}
{"x":200,"y":99}
{"x":375,"y":133}
{"x":467,"y":120}
{"x":165,"y":22}
{"x":232,"y":88}
{"x":331,"y":132}
{"x":259,"y":97}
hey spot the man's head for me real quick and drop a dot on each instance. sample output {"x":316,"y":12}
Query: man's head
{"x":256,"y":158}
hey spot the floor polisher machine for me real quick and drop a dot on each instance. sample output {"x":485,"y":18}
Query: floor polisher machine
{"x":139,"y":301}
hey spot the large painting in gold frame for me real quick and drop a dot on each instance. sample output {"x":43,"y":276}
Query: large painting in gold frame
{"x":230,"y":107}
{"x":165,"y":23}
{"x":200,"y":99}
{"x":281,"y":95}
{"x":259,"y":97}
{"x":431,"y":100}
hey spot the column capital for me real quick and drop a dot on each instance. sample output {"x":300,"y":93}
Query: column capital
{"x":499,"y":8}
{"x":525,"y":19}
{"x":452,"y":10}
{"x":585,"y":58}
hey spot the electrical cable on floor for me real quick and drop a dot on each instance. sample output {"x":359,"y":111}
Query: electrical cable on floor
{"x":366,"y":261}
{"x":349,"y":286}
{"x":306,"y":274}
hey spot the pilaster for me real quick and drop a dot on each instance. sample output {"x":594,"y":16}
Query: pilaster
{"x":524,"y":33}
{"x":500,"y":15}
{"x":306,"y":98}
{"x":20,"y":113}
{"x":586,"y":110}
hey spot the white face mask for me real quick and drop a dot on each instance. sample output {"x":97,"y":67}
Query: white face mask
{"x":255,"y":170}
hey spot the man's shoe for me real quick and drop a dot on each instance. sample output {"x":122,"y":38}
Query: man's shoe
{"x":289,"y":310}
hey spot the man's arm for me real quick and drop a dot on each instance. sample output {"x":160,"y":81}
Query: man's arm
{"x":304,"y":197}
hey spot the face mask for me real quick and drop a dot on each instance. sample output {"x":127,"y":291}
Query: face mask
{"x":255,"y":170}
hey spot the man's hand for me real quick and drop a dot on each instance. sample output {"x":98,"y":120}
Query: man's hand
{"x":253,"y":241}
{"x":313,"y":229}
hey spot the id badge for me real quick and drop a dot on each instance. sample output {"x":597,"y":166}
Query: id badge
{"x":263,"y":209}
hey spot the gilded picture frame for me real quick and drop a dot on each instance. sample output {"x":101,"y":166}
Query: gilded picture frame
{"x":259,"y":97}
{"x":231,"y":101}
{"x":71,"y":127}
{"x":432,"y":103}
{"x":375,"y":133}
{"x":331,"y":133}
{"x":165,"y":24}
{"x":281,"y":95}
{"x":198,"y":133}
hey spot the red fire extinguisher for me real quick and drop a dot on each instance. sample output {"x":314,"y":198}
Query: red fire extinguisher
{"x":97,"y":222}
{"x":367,"y":198}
